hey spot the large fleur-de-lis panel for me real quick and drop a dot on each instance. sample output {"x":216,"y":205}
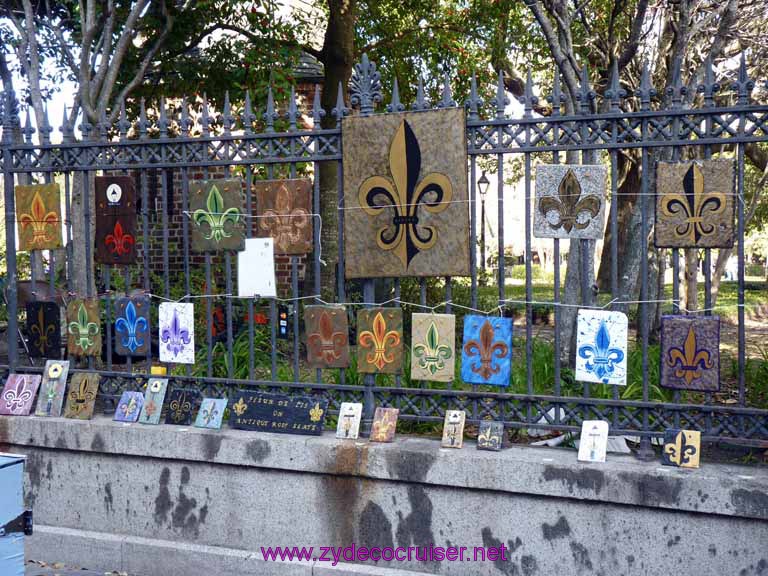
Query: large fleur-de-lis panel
{"x":154,"y":397}
{"x":43,"y":329}
{"x":51,"y":396}
{"x":690,"y":352}
{"x":129,"y":407}
{"x":216,"y":213}
{"x":177,"y":332}
{"x":695,"y":204}
{"x":327,"y":330}
{"x":132,"y":326}
{"x":18,"y":393}
{"x":284,"y":213}
{"x":486,"y":357}
{"x":682,"y":448}
{"x":181,"y":406}
{"x":433,"y":347}
{"x":83,"y":327}
{"x":115,"y":238}
{"x":211,"y":413}
{"x":380,"y":340}
{"x":38,"y":216}
{"x":601,"y":347}
{"x":570,"y":201}
{"x":81,"y":398}
{"x":405,"y":195}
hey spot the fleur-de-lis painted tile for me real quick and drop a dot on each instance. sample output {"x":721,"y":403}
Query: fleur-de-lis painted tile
{"x":38,"y":216}
{"x":284,"y":213}
{"x":490,"y":435}
{"x":690,"y":352}
{"x":132,"y":326}
{"x":433,"y":347}
{"x":453,"y":429}
{"x":211,"y":413}
{"x":682,"y":448}
{"x":327,"y":330}
{"x":601,"y":347}
{"x":216,"y":212}
{"x":181,"y":406}
{"x":115,"y":238}
{"x":43,"y":329}
{"x":348,"y":426}
{"x":695,"y":204}
{"x":177,"y":333}
{"x":154,"y":396}
{"x":380,"y":340}
{"x":83,"y":327}
{"x":384,"y":424}
{"x":487,"y":352}
{"x":405,"y":194}
{"x":81,"y":398}
{"x":18,"y":393}
{"x":51,"y":397}
{"x":570,"y":201}
{"x":129,"y":406}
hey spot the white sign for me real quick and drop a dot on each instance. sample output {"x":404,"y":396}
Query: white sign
{"x":256,"y":269}
{"x":594,"y":441}
{"x":349,"y":420}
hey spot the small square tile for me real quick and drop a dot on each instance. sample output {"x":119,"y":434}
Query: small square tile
{"x":129,"y":407}
{"x":211,"y":413}
{"x":18,"y":393}
{"x":177,"y":332}
{"x":285,"y":214}
{"x":380,"y":341}
{"x":682,"y":448}
{"x":154,"y":397}
{"x":487,"y":351}
{"x":216,"y":215}
{"x":490,"y":435}
{"x":81,"y":398}
{"x":327,"y":330}
{"x":132,"y":326}
{"x":453,"y":429}
{"x":38,"y":216}
{"x":570,"y":201}
{"x":593,"y":443}
{"x":349,"y":420}
{"x":44,"y":330}
{"x":384,"y":424}
{"x":433,"y":347}
{"x":181,"y":406}
{"x":84,"y":327}
{"x":690,"y":352}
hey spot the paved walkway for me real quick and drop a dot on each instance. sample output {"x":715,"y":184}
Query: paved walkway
{"x":33,"y":570}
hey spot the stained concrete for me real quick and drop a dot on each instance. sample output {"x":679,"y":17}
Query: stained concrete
{"x":163,"y":499}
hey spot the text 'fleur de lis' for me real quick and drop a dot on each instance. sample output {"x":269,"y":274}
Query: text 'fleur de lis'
{"x":119,"y":240}
{"x":680,"y":452}
{"x":601,"y":358}
{"x":41,"y":222}
{"x":285,"y":223}
{"x":695,"y":206}
{"x":567,"y":210}
{"x":689,"y":360}
{"x":42,"y":331}
{"x":130,"y":325}
{"x":379,"y":339}
{"x":432,"y":354}
{"x":487,"y":350}
{"x":83,"y":330}
{"x":17,"y":397}
{"x":174,"y":336}
{"x":216,"y":217}
{"x":326,"y":344}
{"x":404,"y":193}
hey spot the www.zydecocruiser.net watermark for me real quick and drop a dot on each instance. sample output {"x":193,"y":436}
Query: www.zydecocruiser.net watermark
{"x":354,"y":553}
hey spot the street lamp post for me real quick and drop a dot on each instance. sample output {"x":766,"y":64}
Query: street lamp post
{"x":482,"y":186}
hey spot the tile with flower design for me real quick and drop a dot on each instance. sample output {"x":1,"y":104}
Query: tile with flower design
{"x":601,"y":347}
{"x":405,"y":194}
{"x":181,"y":406}
{"x":384,"y":424}
{"x":327,"y":332}
{"x":216,"y":214}
{"x":433,"y":347}
{"x":570,"y":201}
{"x":18,"y":393}
{"x":81,"y":398}
{"x":129,"y":407}
{"x":43,"y":329}
{"x":154,"y":396}
{"x":682,"y":448}
{"x":695,"y":204}
{"x":132,"y":326}
{"x":284,"y":213}
{"x":51,"y":397}
{"x":690,"y":352}
{"x":487,"y":352}
{"x":490,"y":435}
{"x":38,"y":216}
{"x":380,"y":340}
{"x":115,"y":238}
{"x":177,"y":332}
{"x":211,"y":413}
{"x":453,"y":429}
{"x":84,"y":327}
{"x":348,"y":426}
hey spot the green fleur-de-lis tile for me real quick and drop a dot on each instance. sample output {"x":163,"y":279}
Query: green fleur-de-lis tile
{"x":433,"y":347}
{"x":83,"y":327}
{"x":216,"y":214}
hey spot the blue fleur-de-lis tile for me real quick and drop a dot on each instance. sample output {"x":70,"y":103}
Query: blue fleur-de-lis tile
{"x":132,"y":326}
{"x":487,"y":351}
{"x":601,"y":347}
{"x":211,"y":413}
{"x":129,"y":407}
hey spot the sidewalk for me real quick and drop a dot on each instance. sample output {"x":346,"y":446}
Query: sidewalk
{"x":35,"y":570}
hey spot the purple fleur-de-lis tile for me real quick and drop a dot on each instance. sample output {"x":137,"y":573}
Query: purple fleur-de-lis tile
{"x":18,"y":393}
{"x":129,"y":407}
{"x":177,"y":333}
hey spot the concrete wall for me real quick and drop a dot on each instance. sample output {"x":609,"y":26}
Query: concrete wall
{"x":165,"y":500}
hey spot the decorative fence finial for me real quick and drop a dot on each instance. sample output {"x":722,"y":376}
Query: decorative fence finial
{"x":340,"y":110}
{"x":395,"y":105}
{"x":365,"y":86}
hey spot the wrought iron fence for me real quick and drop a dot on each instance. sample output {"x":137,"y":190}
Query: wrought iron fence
{"x":169,"y":147}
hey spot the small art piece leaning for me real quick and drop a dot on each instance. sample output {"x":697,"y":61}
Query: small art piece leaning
{"x":681,"y":448}
{"x":129,"y":407}
{"x":405,"y":194}
{"x":181,"y":406}
{"x":51,"y":396}
{"x":690,"y":353}
{"x":490,"y":435}
{"x":570,"y":201}
{"x":211,"y":413}
{"x":593,"y":444}
{"x":695,"y":204}
{"x":601,"y":347}
{"x":153,"y":401}
{"x":284,"y":213}
{"x":115,"y":239}
{"x":38,"y":216}
{"x":216,"y":212}
{"x":453,"y":429}
{"x":132,"y":326}
{"x":349,"y":420}
{"x":81,"y":397}
{"x":18,"y":393}
{"x":384,"y":424}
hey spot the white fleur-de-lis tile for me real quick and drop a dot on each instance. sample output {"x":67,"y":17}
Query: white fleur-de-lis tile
{"x":601,"y":347}
{"x":177,"y":333}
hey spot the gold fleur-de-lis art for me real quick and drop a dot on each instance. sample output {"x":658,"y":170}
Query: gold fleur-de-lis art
{"x":487,"y":350}
{"x":404,"y":193}
{"x":680,"y":452}
{"x":381,"y":341}
{"x":42,"y":331}
{"x":81,"y":396}
{"x":284,"y":223}
{"x":696,"y":207}
{"x":488,"y":437}
{"x":689,"y":360}
{"x":42,"y":223}
{"x":568,"y":210}
{"x":240,"y":407}
{"x":180,"y":407}
{"x":316,"y":413}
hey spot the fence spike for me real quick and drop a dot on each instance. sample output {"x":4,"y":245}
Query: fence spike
{"x":45,"y":129}
{"x":340,"y":110}
{"x":646,"y":91}
{"x":447,"y":100}
{"x":529,"y":99}
{"x":142,"y":118}
{"x":318,"y":113}
{"x":28,"y":130}
{"x":248,"y":117}
{"x":743,"y":85}
{"x":270,"y":115}
{"x":615,"y":92}
{"x":67,"y":131}
{"x":474,"y":102}
{"x":585,"y":94}
{"x":709,"y":87}
{"x":395,"y":105}
{"x":421,"y":101}
{"x":293,"y":109}
{"x":556,"y":98}
{"x":365,"y":86}
{"x":677,"y":91}
{"x":227,"y":118}
{"x":162,"y":122}
{"x":185,"y":124}
{"x":501,"y":100}
{"x":103,"y":125}
{"x":205,"y":117}
{"x":122,"y":124}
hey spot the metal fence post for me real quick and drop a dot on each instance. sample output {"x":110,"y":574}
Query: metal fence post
{"x":10,"y":122}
